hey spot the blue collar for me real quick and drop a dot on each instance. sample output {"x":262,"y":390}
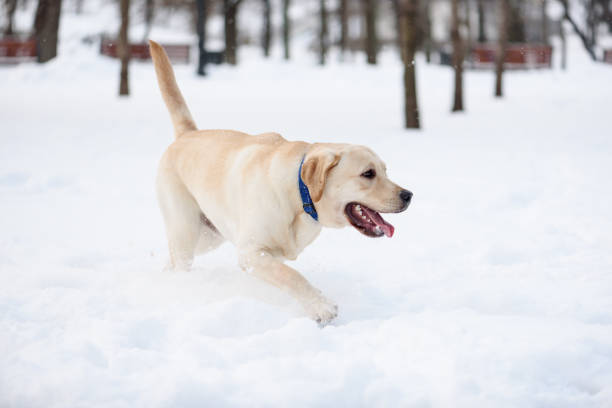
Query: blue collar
{"x":307,"y":203}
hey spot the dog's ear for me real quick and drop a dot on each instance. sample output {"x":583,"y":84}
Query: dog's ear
{"x":315,"y":170}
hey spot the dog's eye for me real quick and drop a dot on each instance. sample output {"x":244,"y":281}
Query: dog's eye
{"x":370,"y":174}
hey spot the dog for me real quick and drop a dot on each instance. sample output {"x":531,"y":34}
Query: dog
{"x":268,"y":196}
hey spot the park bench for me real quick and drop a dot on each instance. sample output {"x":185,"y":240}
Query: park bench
{"x":16,"y":49}
{"x":178,"y":53}
{"x":518,"y":56}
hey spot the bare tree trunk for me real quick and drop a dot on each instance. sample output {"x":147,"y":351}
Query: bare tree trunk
{"x":516,"y":22}
{"x":267,"y":28}
{"x":123,"y":47}
{"x":469,"y":40}
{"x":458,"y":55}
{"x":343,"y":14}
{"x":323,"y":40}
{"x":563,"y":45}
{"x":591,"y":22}
{"x":395,"y":4}
{"x":502,"y":45}
{"x":39,"y":16}
{"x":148,"y":18}
{"x":427,"y":31}
{"x":201,"y":30}
{"x":286,"y":29}
{"x":577,"y":30}
{"x":11,"y":6}
{"x":408,"y":10}
{"x":369,"y":11}
{"x":230,"y":10}
{"x":46,"y":26}
{"x":544,"y":34}
{"x":607,"y":13}
{"x":482,"y":34}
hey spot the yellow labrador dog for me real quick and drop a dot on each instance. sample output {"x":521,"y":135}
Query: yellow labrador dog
{"x":270,"y":197}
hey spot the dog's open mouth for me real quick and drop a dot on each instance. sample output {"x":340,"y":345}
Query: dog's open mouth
{"x":368,"y":221}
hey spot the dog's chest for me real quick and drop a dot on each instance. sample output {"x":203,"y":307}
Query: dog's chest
{"x":304,"y":230}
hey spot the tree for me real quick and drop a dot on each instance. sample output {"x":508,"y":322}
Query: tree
{"x":482,"y":35}
{"x":323,"y":45}
{"x":606,"y":6}
{"x":467,"y":22}
{"x":563,"y":45}
{"x":583,"y":37}
{"x":502,"y":45}
{"x":123,"y":47}
{"x":343,"y":15}
{"x":395,"y":6}
{"x":230,"y":11}
{"x":267,"y":28}
{"x":544,"y":27}
{"x":458,"y":55}
{"x":371,"y":40}
{"x":591,"y":22}
{"x":427,"y":31}
{"x":11,"y":6}
{"x":286,"y":29}
{"x":46,"y":26}
{"x":148,"y":18}
{"x":201,"y":29}
{"x":515,"y":25}
{"x":408,"y":10}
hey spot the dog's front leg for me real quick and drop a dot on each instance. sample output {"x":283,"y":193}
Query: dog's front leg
{"x":265,"y":266}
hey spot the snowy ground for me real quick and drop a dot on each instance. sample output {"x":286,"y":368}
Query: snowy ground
{"x":496,"y":290}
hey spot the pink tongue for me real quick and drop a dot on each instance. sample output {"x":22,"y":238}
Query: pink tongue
{"x":378,"y":220}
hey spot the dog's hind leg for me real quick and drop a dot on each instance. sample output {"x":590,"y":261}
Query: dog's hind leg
{"x":182,"y":218}
{"x":209,"y":238}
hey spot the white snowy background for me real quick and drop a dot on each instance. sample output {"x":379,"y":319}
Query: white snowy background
{"x":496,"y":290}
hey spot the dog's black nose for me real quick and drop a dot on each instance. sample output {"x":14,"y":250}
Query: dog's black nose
{"x":406,"y":196}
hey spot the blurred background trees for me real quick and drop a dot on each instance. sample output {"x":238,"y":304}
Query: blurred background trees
{"x":46,"y":26}
{"x":371,"y":38}
{"x":11,"y":6}
{"x":458,"y":52}
{"x":463,"y":34}
{"x":322,"y":31}
{"x":230,"y":13}
{"x":123,"y":47}
{"x":202,"y":13}
{"x":408,"y":12}
{"x":502,"y":43}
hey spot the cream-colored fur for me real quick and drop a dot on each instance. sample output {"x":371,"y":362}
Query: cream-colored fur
{"x":217,"y":185}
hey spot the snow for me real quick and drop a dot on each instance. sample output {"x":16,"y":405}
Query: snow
{"x":495,"y":291}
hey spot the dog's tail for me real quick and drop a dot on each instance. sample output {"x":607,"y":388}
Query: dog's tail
{"x":179,"y":112}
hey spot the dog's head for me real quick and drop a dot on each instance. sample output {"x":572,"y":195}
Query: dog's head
{"x":349,"y":186}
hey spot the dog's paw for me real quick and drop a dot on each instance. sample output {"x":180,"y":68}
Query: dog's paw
{"x":321,"y":310}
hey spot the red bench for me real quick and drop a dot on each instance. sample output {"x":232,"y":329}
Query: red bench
{"x":518,"y":56}
{"x":17,"y":49}
{"x":178,"y":53}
